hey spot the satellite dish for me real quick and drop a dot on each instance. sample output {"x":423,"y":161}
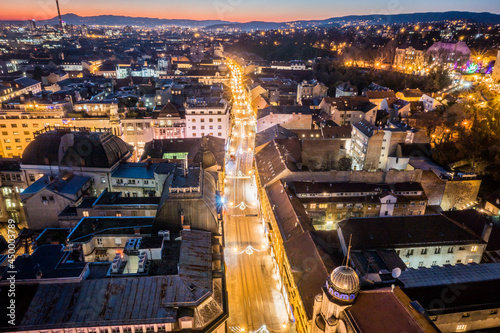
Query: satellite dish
{"x":396,"y":272}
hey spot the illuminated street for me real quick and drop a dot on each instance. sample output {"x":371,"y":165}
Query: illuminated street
{"x":255,"y":303}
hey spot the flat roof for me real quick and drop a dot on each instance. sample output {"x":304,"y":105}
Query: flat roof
{"x":88,"y":227}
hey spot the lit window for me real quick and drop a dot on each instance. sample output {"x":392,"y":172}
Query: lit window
{"x":86,"y":213}
{"x":473,"y":248}
{"x":461,"y":328}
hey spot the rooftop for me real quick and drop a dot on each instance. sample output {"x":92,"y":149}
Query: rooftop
{"x":88,"y":227}
{"x":80,"y":148}
{"x":405,"y":231}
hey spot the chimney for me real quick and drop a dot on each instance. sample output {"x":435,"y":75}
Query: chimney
{"x":488,"y":227}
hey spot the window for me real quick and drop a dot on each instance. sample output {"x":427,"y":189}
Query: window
{"x":25,"y":125}
{"x":410,"y":252}
{"x":424,"y":251}
{"x":461,"y":327}
{"x":99,"y":241}
{"x":85,"y":213}
{"x":434,"y":262}
{"x":312,"y":206}
{"x":194,"y":127}
{"x":32,"y":177}
{"x":51,"y":198}
{"x":420,"y":264}
{"x":437,"y":250}
{"x":26,"y":133}
{"x":461,"y":248}
{"x":210,"y":120}
{"x":323,"y":206}
{"x":28,"y":140}
{"x":459,"y":261}
{"x":13,"y":125}
{"x":470,"y":261}
{"x":219,"y":120}
{"x":6,"y":140}
{"x":450,"y":250}
{"x":473,"y":248}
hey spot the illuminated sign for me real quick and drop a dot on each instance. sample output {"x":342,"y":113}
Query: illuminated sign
{"x":343,"y":297}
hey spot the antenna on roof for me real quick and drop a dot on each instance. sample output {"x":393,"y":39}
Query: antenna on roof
{"x":348,"y":252}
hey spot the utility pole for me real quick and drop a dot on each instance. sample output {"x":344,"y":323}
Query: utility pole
{"x":59,"y":14}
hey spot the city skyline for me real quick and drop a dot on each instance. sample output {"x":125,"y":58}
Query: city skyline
{"x":234,"y":10}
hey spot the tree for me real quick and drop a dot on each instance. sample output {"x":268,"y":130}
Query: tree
{"x":344,"y":164}
{"x":329,"y":162}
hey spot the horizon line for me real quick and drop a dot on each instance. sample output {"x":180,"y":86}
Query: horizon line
{"x":289,"y":21}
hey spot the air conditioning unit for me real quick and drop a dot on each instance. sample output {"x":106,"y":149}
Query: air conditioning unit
{"x":115,"y":265}
{"x":131,"y":244}
{"x":165,"y":234}
{"x":141,"y":265}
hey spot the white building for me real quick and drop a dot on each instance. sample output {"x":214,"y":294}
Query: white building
{"x":207,"y":116}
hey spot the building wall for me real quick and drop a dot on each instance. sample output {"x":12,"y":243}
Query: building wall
{"x":314,"y":151}
{"x":414,"y":257}
{"x":464,"y":321}
{"x":460,"y":193}
{"x":326,"y":215}
{"x":199,"y":125}
{"x":490,"y":207}
{"x":42,"y":215}
{"x":16,"y":134}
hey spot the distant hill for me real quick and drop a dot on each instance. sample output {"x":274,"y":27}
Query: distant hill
{"x":486,"y":18}
{"x":127,"y":20}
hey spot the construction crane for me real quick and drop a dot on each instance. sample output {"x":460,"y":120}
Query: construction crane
{"x":59,"y":14}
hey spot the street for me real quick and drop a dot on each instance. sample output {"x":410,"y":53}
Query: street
{"x":255,"y":302}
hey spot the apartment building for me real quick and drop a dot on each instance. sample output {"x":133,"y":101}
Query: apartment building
{"x":420,"y":241}
{"x":17,"y":87}
{"x":308,"y":90}
{"x":374,"y":148}
{"x":409,"y":59}
{"x":207,"y":116}
{"x":329,"y":203}
{"x":20,"y":121}
{"x":349,"y":109}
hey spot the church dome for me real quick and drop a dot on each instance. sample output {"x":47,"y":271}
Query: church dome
{"x":343,"y":284}
{"x":345,"y":279}
{"x":205,"y":157}
{"x":76,"y":148}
